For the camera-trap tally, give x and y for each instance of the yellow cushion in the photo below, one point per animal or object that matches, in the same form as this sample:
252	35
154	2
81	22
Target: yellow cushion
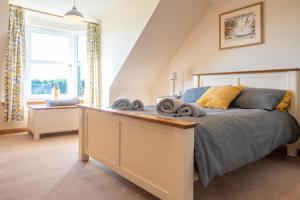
219	97
285	102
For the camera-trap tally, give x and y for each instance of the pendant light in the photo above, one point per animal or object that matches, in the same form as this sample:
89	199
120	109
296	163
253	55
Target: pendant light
74	14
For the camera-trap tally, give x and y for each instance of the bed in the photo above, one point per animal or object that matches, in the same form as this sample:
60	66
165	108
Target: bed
157	153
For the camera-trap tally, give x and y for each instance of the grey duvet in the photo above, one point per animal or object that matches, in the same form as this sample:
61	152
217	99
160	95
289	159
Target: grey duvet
228	139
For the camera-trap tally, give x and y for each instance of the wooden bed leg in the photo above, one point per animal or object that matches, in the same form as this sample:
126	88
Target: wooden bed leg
182	187
292	149
82	156
36	136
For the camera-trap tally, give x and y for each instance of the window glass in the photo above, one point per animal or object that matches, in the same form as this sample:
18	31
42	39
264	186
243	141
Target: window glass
48	47
44	76
55	57
81	65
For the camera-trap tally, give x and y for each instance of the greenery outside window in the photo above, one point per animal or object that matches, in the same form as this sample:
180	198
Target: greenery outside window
55	57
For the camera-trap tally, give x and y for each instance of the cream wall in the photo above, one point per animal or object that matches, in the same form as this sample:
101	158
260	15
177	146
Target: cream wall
167	29
121	28
46	21
200	51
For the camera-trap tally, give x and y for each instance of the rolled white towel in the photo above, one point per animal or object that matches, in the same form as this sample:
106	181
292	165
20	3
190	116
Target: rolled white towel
63	102
137	104
168	106
188	109
121	103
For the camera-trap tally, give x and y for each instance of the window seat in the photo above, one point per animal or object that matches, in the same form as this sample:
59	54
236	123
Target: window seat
43	119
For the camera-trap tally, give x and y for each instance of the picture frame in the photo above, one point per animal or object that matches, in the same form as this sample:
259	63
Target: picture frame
241	27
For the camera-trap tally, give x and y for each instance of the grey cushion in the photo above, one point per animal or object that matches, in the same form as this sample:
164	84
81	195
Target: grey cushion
258	98
193	94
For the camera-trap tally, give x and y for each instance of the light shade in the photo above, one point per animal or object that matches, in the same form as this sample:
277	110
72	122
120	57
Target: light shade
173	76
74	15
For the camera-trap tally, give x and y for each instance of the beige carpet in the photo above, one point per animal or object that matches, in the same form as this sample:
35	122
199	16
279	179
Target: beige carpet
48	169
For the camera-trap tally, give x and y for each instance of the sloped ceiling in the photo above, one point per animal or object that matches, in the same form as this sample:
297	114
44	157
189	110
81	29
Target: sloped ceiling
169	26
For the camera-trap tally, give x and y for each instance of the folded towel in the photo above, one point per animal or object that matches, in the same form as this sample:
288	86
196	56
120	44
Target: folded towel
63	102
188	109
121	103
137	104
168	106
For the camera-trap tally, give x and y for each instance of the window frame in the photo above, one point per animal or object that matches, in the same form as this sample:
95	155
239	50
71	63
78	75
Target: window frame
72	83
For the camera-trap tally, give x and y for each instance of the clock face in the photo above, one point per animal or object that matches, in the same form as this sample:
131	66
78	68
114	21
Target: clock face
240	27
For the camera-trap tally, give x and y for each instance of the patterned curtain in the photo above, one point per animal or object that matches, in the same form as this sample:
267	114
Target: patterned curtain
93	64
15	62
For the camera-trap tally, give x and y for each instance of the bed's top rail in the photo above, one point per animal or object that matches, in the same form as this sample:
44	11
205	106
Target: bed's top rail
177	123
249	72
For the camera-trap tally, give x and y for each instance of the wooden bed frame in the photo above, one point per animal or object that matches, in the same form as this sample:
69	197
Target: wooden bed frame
157	153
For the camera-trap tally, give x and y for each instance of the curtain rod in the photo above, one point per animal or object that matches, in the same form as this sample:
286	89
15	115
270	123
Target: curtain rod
46	13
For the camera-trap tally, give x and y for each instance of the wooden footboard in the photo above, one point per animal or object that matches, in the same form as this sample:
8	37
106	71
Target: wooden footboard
154	153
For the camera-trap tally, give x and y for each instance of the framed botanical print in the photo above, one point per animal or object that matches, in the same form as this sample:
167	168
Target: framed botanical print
241	27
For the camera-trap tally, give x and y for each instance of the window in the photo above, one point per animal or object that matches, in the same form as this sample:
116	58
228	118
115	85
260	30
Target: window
82	72
55	57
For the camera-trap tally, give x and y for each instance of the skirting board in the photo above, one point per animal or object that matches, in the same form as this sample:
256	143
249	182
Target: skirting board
13	130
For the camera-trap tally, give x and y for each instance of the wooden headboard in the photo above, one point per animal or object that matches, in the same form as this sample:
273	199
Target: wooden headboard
284	79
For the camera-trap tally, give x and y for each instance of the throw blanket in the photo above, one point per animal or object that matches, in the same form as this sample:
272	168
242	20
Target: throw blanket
168	107
63	102
187	109
137	105
121	103
226	140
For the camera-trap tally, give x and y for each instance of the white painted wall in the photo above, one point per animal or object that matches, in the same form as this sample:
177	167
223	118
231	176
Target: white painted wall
170	24
200	51
121	28
46	21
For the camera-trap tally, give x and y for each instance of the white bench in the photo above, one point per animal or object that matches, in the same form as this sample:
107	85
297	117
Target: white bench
43	119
